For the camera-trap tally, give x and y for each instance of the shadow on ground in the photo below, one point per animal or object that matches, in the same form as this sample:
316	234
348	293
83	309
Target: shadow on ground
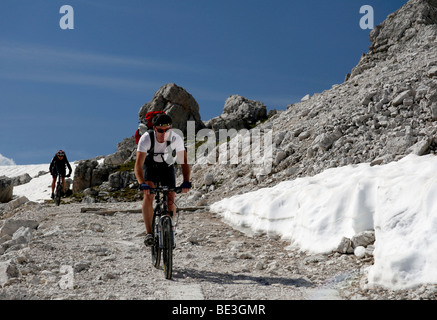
226	278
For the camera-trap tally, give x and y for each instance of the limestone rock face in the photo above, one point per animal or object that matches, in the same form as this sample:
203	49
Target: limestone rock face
90	173
414	21
385	110
124	152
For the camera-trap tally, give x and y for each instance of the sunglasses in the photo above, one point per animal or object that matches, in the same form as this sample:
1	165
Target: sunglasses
163	130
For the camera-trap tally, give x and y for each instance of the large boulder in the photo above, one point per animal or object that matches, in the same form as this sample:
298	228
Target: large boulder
121	179
11	225
6	189
83	174
238	113
22	179
177	103
90	173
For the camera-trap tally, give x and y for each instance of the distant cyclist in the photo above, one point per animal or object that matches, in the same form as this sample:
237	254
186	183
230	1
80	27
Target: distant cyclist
154	163
58	166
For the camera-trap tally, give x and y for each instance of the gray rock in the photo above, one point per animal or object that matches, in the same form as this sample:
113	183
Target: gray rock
22	179
325	140
433	108
14	204
12	225
432	72
401	97
22	236
238	113
6	189
422	147
81	266
345	246
121	179
177	103
209	179
83	174
100	174
306	98
363	238
123	153
281	155
90	173
8	270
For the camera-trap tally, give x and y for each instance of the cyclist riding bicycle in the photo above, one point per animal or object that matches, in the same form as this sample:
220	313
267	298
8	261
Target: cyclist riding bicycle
58	165
155	163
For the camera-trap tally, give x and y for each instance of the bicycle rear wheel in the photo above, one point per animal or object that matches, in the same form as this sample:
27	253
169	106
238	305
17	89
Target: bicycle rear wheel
167	249
156	250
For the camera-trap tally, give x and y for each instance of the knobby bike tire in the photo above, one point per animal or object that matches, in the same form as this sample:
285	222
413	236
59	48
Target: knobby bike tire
167	247
156	250
58	194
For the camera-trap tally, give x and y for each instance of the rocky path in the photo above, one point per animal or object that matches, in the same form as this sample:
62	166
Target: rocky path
99	254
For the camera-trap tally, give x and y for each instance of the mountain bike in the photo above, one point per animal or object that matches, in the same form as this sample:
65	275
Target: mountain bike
163	230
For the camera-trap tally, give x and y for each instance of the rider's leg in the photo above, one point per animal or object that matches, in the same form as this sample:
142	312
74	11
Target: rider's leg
53	183
169	179
63	184
147	209
170	202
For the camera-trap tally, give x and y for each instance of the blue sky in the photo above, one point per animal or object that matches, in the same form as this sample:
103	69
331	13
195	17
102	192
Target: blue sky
80	90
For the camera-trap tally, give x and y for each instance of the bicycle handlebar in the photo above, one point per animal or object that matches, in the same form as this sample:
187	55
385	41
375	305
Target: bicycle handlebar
162	189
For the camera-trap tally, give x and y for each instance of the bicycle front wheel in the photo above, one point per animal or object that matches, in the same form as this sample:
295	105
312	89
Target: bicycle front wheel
156	250
58	195
167	250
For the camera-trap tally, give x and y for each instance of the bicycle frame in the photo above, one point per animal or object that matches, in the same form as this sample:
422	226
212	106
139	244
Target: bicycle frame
161	211
163	230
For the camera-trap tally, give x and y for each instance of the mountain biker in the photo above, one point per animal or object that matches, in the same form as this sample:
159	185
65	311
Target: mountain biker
58	166
154	163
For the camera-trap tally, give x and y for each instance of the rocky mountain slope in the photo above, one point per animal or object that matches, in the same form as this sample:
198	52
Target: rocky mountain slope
386	109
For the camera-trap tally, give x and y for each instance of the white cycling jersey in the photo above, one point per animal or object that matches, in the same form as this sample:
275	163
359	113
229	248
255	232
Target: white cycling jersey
161	148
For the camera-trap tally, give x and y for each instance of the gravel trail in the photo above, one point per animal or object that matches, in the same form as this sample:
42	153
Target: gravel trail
90	252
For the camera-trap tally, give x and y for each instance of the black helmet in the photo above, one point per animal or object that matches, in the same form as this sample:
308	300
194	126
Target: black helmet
161	120
60	153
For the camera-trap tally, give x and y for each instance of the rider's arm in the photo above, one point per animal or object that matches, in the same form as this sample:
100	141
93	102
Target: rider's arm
68	164
186	171
143	148
139	172
52	164
183	160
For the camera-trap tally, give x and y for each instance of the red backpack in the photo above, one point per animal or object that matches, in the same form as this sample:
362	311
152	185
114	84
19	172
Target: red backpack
148	121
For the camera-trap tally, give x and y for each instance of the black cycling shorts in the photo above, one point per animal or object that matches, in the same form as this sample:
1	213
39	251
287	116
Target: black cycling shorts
162	173
55	173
